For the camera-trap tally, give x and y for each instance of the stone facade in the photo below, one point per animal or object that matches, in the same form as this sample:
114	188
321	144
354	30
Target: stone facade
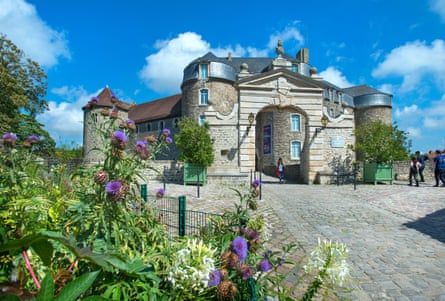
261	109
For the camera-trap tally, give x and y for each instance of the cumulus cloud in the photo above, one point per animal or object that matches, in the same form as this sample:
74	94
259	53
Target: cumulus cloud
289	33
64	120
335	76
407	111
435	114
414	132
22	25
163	70
438	6
413	62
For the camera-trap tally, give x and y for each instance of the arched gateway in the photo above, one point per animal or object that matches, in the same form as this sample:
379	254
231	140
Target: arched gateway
261	109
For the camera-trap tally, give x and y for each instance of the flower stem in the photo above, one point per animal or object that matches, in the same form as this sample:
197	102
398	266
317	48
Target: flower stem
29	267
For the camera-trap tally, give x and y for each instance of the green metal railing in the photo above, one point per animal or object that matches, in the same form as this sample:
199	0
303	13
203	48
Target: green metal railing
173	213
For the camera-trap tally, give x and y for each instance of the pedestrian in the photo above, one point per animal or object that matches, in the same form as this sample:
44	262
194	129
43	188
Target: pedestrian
414	167
280	170
421	159
439	168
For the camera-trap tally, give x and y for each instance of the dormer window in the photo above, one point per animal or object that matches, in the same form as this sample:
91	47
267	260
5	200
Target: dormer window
204	71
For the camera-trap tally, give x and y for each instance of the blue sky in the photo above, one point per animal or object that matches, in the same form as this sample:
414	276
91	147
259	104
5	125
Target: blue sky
139	49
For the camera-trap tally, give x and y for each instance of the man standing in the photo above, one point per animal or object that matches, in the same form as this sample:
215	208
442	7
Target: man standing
439	168
421	159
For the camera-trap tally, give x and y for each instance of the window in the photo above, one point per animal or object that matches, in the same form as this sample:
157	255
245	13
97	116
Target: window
176	122
148	127
295	122
204	71
204	97
161	125
331	112
202	120
295	150
294	68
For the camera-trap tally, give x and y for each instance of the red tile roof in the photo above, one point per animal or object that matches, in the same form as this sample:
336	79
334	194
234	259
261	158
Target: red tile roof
157	109
105	97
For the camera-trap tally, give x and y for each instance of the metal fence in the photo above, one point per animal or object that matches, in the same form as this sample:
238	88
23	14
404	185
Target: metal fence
173	214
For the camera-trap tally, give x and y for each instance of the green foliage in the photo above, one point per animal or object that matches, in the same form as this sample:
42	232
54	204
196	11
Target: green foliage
90	236
380	142
195	143
22	86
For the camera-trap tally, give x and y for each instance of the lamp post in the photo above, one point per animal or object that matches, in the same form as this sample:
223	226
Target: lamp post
324	123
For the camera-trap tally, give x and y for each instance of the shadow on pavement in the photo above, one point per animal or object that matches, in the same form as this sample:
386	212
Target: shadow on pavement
433	225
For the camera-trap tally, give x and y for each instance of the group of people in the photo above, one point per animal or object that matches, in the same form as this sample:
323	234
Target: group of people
417	166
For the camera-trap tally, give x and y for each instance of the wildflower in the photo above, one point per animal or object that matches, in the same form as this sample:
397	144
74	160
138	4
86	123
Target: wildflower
160	192
101	177
113	98
214	278
151	139
33	139
94	100
239	246
119	139
264	265
131	125
113	190
229	259
245	270
256	183
9	138
226	290
169	140
142	150
166	132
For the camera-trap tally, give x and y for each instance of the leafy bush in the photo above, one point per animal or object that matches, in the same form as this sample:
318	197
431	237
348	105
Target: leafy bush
90	236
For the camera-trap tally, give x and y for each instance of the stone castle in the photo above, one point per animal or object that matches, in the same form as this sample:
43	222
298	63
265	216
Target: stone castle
259	110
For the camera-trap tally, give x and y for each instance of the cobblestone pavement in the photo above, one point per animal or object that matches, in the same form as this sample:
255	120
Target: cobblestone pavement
395	233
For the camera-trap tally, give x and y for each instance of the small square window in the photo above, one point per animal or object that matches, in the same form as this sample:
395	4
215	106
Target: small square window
202	120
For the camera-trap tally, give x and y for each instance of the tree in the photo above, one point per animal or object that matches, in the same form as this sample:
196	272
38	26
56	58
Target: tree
380	142
195	143
22	88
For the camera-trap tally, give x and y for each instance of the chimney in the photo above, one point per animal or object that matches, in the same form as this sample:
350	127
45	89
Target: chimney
303	55
229	56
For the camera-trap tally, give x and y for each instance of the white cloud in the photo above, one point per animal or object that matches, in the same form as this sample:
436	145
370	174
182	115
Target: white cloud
64	120
335	76
414	132
415	61
438	6
22	25
290	33
407	111
163	70
435	114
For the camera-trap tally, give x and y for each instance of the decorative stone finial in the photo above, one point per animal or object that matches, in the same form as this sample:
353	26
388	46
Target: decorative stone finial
279	49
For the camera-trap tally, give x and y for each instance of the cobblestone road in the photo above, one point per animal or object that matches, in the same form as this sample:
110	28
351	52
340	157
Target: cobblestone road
395	233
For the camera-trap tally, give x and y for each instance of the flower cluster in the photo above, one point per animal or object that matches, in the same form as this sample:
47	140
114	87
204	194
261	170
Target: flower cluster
192	267
10	139
116	190
330	261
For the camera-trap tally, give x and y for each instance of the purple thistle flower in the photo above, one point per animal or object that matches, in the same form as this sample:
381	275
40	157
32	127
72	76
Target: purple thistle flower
33	139
214	278
113	187
239	246
264	265
130	121
168	140
256	183
160	192
141	144
166	132
94	99
245	270
120	136
267	254
10	137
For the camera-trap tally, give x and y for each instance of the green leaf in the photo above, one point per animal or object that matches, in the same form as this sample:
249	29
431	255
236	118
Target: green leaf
9	298
46	292
76	287
44	249
95	298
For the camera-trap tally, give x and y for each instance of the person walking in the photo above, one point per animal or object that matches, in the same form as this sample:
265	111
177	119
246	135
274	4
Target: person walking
421	159
414	168
280	170
439	168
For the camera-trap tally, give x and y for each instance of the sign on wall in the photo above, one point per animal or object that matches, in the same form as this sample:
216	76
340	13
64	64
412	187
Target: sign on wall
337	142
267	139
